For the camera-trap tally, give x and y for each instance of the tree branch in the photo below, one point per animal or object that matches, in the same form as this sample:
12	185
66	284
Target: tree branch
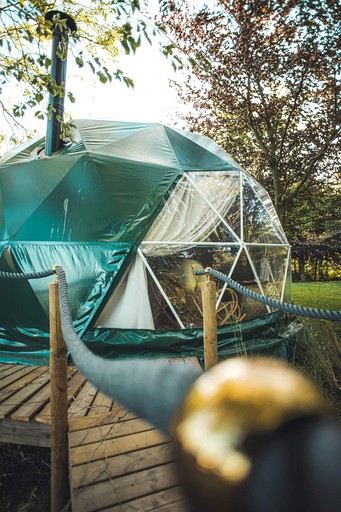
310	166
269	128
252	125
291	113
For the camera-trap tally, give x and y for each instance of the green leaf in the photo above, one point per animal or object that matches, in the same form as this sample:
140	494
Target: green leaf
71	97
39	97
92	67
19	110
102	78
129	82
125	46
193	62
108	74
79	61
39	114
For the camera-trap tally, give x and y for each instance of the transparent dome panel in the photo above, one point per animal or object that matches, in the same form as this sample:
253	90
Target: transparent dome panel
163	316
190	215
175	274
223	184
271	265
268	204
260	221
229	307
245	274
233	216
222	190
287	297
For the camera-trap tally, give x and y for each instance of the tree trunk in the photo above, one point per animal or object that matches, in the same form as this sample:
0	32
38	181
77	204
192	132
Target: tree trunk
301	263
315	269
280	209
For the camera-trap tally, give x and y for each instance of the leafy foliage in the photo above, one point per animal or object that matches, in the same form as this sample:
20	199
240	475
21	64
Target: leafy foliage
316	257
103	28
265	85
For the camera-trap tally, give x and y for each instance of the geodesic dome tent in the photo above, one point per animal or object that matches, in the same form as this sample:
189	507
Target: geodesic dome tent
131	211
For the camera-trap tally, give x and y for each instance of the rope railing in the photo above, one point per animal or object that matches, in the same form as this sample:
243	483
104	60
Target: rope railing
23	276
110	376
193	407
150	398
323	314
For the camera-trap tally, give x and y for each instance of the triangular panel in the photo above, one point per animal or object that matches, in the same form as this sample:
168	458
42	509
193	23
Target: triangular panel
193	213
260	221
245	275
176	275
270	264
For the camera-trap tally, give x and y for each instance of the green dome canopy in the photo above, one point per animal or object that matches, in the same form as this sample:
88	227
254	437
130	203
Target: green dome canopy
89	207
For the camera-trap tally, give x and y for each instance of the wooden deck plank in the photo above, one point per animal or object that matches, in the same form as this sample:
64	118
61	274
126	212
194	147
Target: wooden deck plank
82	401
37	379
188	361
31	408
24	432
33	405
16	376
117	413
75	383
122	489
8	369
117	446
101	404
118	462
112	467
169	500
110	431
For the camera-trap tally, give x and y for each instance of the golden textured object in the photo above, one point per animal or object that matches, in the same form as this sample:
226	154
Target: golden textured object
236	399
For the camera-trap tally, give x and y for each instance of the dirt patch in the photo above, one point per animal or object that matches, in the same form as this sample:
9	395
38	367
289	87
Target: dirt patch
24	478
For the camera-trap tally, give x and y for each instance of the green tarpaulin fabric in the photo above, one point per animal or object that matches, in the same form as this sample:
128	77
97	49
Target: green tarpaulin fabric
88	208
271	335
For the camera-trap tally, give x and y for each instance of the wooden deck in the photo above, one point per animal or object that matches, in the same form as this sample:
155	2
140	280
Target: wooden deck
117	462
122	464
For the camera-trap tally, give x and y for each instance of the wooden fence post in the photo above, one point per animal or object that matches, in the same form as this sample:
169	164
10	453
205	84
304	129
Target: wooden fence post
60	489
208	291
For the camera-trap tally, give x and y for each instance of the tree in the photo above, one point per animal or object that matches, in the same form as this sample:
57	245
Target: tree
313	229
265	85
103	27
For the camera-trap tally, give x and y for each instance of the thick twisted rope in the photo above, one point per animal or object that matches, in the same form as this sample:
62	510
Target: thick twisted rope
149	388
23	275
156	398
324	314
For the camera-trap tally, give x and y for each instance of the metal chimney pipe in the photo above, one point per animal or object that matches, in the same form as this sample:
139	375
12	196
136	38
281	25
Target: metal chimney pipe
58	73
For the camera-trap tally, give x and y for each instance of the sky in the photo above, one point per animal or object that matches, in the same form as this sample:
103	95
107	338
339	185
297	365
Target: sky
151	100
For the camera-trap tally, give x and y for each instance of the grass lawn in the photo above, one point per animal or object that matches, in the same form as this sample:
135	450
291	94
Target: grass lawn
319	355
323	295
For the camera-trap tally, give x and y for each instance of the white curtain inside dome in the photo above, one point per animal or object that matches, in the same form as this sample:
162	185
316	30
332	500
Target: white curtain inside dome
129	306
